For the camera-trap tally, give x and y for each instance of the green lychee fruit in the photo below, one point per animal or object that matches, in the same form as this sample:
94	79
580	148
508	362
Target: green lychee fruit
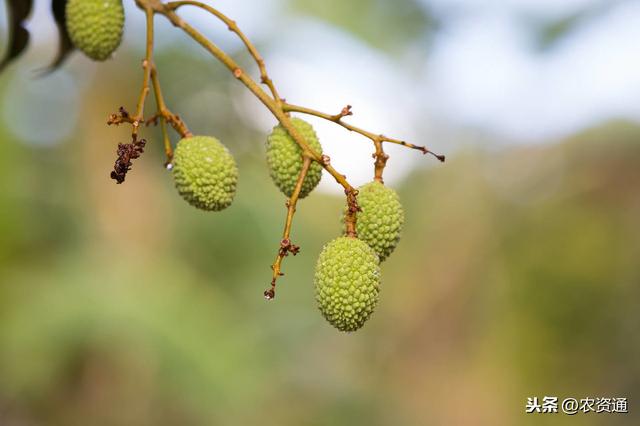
381	220
284	158
95	26
205	173
347	281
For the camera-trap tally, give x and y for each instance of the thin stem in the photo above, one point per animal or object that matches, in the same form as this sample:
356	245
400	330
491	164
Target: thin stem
160	105
350	215
163	112
146	66
233	26
380	161
286	246
337	118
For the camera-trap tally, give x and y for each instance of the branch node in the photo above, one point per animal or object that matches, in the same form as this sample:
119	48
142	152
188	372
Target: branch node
346	111
122	116
286	247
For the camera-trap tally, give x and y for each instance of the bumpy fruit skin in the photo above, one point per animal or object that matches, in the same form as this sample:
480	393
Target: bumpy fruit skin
284	158
382	217
205	173
95	26
347	282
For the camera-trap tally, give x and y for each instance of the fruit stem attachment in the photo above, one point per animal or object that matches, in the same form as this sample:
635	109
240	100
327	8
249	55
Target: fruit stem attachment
286	246
380	161
350	216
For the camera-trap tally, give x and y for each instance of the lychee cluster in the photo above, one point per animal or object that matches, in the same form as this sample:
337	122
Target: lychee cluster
347	275
95	26
284	158
205	173
348	271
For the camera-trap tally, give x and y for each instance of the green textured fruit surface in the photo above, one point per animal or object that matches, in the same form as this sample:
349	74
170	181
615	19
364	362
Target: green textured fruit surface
382	217
284	158
205	173
95	26
347	283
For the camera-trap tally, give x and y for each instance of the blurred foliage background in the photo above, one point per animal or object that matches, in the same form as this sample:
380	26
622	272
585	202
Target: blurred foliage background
517	275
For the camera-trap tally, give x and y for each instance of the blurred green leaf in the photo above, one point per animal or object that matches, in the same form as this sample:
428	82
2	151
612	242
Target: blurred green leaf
553	32
387	25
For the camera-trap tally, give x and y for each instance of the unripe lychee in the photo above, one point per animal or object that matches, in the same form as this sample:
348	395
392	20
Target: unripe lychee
205	173
347	281
95	26
284	158
381	220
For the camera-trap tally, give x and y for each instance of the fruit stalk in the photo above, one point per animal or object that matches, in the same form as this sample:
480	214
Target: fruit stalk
166	116
380	161
138	118
157	91
286	246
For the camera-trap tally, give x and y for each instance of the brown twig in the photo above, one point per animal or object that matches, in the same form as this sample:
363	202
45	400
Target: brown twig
380	162
138	118
233	27
286	246
352	210
379	155
168	150
166	116
122	116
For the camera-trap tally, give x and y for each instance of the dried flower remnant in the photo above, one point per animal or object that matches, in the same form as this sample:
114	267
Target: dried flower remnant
126	153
